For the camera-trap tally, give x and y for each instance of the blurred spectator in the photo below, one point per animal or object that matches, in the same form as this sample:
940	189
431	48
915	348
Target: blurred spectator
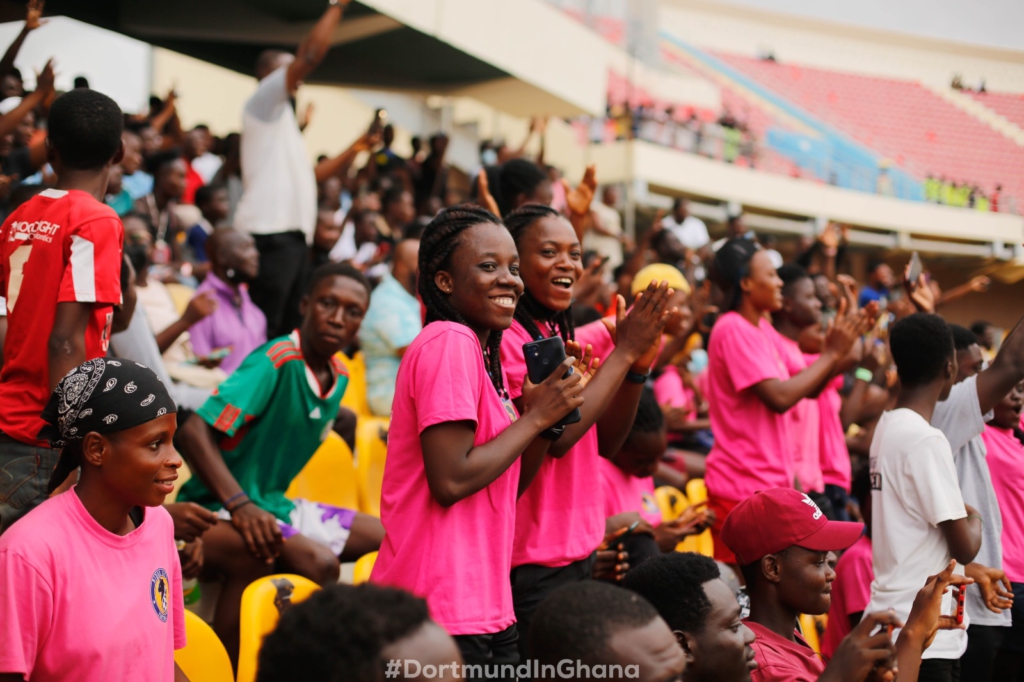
398	210
605	233
230	174
168	171
212	201
11	84
138	182
194	147
235	326
206	164
880	280
390	325
690	230
278	206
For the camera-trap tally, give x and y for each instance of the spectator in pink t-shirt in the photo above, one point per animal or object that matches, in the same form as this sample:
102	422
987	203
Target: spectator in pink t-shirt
90	580
749	386
851	590
559	519
459	454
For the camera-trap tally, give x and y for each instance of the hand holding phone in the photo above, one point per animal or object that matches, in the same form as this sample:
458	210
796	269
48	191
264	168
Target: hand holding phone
542	358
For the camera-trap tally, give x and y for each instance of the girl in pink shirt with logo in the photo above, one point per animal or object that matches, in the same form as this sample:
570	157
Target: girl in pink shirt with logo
90	580
750	388
459	453
560	519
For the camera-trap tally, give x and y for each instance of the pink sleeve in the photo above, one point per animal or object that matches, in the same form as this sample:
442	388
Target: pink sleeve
597	335
858	586
93	273
752	358
512	359
446	380
26	611
179	602
669	390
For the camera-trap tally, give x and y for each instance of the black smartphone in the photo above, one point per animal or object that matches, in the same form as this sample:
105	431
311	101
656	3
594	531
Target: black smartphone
542	358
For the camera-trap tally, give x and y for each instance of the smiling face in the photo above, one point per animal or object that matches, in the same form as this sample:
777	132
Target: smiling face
762	286
482	278
332	313
806	579
138	465
551	261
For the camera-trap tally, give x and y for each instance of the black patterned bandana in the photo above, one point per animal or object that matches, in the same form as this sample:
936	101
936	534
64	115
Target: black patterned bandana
103	396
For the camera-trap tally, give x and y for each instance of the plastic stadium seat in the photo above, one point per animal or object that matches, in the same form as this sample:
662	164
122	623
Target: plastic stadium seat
204	658
355	394
697	492
671	501
363	568
262	604
329	477
181	295
371	452
809	629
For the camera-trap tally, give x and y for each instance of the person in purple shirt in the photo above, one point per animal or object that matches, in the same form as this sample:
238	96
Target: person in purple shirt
237	326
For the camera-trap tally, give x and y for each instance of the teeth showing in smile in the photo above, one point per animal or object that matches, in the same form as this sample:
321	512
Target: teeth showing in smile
563	281
505	301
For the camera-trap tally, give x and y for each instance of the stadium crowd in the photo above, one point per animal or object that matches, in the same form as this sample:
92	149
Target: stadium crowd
169	292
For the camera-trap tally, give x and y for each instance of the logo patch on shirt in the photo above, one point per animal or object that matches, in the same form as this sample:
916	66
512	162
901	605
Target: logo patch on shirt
159	593
315	414
510	410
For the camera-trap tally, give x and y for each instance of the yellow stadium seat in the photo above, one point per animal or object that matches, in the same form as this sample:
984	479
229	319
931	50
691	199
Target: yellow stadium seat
364	567
181	295
371	451
671	502
262	604
355	393
329	477
204	658
697	492
809	629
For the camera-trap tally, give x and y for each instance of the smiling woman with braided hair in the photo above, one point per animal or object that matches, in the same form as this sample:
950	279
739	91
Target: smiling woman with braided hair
559	521
453	469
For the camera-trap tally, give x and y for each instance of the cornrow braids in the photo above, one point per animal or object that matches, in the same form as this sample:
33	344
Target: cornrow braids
529	310
439	241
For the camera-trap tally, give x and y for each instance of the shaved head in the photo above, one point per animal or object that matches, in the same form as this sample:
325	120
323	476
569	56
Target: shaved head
406	263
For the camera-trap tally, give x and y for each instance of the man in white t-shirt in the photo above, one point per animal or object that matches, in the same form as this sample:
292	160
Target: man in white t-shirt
690	230
278	204
919	519
605	233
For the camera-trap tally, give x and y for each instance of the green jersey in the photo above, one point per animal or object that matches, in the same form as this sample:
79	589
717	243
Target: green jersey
273	416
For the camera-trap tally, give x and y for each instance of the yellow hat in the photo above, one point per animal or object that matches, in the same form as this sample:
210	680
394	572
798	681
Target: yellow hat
660	272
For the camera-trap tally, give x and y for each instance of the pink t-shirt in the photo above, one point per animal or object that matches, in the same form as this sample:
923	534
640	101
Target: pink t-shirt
804	420
670	390
835	458
458	558
626	493
851	592
78	602
1005	456
751	450
559	518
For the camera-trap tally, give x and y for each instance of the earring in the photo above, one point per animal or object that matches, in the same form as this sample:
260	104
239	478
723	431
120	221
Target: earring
230	273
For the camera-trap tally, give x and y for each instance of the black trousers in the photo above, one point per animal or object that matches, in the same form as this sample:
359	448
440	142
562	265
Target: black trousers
490	652
531	583
983	642
284	269
939	670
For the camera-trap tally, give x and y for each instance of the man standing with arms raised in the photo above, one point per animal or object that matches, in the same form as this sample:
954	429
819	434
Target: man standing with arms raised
278	204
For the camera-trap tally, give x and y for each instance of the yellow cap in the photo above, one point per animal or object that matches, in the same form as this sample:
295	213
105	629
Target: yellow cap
660	272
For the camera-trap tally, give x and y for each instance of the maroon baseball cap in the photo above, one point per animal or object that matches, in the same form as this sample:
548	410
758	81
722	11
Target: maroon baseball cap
772	520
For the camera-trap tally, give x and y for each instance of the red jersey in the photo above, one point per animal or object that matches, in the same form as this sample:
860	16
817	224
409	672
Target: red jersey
60	246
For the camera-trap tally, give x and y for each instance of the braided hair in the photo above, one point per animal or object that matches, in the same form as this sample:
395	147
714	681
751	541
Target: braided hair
730	266
529	310
439	241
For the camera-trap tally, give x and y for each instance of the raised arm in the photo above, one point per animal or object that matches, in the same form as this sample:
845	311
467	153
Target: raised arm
343	161
44	88
315	45
33	20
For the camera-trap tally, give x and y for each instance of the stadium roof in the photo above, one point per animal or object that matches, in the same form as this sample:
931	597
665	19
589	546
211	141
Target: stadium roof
513	56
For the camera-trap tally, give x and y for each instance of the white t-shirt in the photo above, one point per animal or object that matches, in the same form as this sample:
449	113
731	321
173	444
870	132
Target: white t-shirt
914	489
692	232
280	186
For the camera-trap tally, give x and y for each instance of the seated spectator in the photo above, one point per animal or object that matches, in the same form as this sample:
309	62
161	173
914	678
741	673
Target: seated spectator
90	582
236	326
357	243
605	233
604	632
880	281
919	519
168	171
117	197
391	324
350	633
397	210
207	163
62	288
628	484
138	182
248	442
702	611
690	230
787	573
851	590
212	201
